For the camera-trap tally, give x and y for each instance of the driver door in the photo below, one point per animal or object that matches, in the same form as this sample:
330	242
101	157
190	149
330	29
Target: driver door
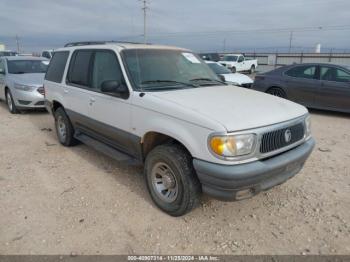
111	114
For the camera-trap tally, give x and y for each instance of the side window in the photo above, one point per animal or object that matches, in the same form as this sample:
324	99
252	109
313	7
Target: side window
302	72
79	68
240	59
106	68
334	74
56	67
2	66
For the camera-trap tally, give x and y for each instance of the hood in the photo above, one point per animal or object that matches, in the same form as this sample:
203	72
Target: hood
238	78
235	108
36	79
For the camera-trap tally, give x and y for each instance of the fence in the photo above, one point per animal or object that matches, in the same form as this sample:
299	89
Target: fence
280	59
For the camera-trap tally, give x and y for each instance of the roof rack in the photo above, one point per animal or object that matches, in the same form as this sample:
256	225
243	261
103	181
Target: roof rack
99	43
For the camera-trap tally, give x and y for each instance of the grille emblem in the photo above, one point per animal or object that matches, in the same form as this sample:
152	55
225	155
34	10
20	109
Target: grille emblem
287	135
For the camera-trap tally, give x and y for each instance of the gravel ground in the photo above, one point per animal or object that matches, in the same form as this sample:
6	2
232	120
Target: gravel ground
57	200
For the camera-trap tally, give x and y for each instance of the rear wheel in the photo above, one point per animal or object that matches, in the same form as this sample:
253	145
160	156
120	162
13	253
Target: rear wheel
252	69
276	91
11	103
171	179
64	128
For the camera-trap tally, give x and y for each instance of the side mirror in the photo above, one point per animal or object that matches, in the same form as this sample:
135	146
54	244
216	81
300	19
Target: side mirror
2	71
115	88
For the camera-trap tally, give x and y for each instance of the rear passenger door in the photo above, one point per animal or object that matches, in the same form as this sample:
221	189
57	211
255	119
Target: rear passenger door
302	84
335	88
112	114
2	78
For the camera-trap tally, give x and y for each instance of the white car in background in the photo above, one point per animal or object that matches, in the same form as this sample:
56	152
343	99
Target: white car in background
238	63
236	79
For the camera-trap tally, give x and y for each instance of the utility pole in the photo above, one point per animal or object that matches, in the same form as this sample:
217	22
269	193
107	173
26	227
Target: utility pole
290	41
17	43
144	8
224	45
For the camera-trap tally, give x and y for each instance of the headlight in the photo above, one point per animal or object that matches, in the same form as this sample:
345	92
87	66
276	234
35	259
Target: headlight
307	126
23	87
233	83
232	145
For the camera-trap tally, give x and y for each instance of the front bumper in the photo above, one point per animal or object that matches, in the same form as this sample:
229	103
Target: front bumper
227	182
28	100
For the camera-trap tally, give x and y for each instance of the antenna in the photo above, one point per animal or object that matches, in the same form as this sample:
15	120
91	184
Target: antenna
144	8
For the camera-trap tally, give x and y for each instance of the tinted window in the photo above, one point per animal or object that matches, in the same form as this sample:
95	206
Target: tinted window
334	74
26	66
219	69
56	67
230	58
79	68
302	72
106	67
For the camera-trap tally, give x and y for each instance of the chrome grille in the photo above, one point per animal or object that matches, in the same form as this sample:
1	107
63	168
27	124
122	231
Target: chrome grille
280	138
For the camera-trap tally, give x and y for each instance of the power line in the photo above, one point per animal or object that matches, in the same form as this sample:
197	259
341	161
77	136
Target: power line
144	8
259	30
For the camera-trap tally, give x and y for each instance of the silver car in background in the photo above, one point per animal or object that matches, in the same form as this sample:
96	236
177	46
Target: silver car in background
21	82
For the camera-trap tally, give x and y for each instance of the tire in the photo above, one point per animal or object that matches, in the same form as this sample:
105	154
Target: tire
169	171
233	69
276	91
252	69
64	128
10	103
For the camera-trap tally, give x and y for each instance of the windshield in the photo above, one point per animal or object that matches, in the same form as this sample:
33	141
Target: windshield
157	69
219	69
26	66
230	58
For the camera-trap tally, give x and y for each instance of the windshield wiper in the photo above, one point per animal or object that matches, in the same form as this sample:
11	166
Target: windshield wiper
208	79
167	81
20	72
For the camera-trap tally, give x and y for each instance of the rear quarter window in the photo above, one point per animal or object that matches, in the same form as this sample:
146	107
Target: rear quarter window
56	67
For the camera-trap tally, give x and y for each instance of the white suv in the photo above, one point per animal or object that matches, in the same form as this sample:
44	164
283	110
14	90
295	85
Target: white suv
163	107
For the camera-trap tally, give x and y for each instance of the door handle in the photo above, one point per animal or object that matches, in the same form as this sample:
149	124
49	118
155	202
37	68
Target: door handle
92	100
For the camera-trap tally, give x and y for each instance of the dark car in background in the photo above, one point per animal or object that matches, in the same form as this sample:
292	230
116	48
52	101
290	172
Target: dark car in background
320	86
210	56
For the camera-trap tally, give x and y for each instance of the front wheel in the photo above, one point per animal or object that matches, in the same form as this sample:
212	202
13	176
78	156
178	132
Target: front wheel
233	69
171	179
11	103
276	91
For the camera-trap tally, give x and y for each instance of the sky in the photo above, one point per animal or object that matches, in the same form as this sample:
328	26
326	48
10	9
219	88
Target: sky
201	25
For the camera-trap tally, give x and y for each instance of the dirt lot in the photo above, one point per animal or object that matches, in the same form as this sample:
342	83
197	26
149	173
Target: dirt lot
56	200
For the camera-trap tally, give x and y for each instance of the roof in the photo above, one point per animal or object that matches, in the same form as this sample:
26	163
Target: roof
325	64
120	45
13	58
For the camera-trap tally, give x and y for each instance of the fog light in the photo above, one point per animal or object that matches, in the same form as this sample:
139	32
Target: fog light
245	193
